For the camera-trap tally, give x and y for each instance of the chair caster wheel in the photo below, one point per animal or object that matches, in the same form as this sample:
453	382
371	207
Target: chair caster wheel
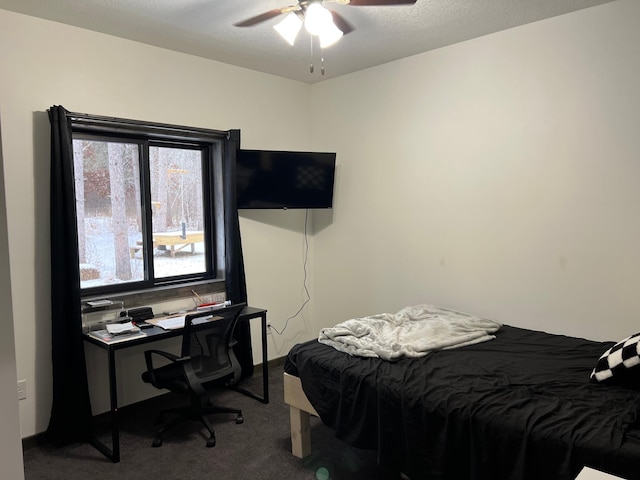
211	442
157	442
239	419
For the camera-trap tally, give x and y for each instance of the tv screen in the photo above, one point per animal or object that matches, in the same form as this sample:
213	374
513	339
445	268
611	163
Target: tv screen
278	179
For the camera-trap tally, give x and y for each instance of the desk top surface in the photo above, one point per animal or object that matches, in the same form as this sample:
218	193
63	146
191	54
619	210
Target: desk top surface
156	333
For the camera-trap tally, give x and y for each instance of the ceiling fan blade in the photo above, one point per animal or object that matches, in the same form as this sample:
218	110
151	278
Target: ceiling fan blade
364	3
249	22
344	26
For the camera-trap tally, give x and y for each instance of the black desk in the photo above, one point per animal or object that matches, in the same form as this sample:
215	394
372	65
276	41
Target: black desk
153	335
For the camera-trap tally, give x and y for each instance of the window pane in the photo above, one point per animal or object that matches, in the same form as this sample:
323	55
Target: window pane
108	211
177	211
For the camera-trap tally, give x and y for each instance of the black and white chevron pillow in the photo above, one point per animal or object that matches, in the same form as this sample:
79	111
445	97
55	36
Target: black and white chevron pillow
617	364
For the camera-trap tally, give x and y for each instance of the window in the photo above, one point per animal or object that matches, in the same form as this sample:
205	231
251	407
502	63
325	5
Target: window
147	206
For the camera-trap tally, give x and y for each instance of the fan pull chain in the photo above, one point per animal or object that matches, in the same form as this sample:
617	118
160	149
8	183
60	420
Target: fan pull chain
311	66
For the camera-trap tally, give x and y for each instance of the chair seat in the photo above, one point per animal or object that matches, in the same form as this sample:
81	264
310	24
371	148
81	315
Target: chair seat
169	376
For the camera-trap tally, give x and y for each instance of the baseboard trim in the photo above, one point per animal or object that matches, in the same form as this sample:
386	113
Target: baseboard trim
273	363
33	441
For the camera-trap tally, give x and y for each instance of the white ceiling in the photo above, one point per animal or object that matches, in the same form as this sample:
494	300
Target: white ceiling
382	34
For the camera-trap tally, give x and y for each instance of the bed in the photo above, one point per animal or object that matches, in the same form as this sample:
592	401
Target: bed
518	406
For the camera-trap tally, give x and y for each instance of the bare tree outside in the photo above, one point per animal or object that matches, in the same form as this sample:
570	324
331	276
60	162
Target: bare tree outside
159	161
117	181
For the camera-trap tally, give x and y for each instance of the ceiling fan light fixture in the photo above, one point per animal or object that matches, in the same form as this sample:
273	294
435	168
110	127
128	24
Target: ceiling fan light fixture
329	36
289	27
317	19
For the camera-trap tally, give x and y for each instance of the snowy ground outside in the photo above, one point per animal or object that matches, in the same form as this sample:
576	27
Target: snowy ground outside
100	254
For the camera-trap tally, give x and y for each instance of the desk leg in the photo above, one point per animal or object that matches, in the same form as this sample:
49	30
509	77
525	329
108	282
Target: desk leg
112	453
265	369
265	359
113	394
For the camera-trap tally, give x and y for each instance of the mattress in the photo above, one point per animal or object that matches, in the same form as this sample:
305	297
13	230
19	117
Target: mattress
520	406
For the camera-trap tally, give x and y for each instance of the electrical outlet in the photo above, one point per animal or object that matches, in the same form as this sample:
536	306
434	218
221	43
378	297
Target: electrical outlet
22	389
268	328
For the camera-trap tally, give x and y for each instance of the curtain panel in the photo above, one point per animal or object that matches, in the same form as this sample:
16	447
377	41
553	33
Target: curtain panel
70	419
234	262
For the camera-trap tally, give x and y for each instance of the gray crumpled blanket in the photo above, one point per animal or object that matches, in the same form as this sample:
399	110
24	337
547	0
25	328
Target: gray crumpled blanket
412	332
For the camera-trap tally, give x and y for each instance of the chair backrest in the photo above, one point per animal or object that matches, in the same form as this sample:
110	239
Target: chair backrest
209	343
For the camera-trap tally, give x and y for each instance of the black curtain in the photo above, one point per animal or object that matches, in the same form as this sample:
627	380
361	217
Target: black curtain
234	262
71	409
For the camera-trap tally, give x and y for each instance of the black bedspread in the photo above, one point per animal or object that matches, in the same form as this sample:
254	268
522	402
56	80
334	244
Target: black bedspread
517	407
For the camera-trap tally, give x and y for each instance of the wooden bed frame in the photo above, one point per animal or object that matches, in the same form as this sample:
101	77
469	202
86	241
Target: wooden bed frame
300	410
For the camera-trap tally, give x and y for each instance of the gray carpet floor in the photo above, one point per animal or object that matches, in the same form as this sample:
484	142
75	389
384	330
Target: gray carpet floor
258	449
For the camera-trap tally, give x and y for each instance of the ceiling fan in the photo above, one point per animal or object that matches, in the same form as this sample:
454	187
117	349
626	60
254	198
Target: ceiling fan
318	20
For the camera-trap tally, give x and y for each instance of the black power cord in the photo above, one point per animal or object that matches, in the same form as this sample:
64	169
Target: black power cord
304	281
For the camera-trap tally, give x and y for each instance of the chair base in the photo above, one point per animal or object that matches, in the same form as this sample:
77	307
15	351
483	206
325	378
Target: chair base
194	414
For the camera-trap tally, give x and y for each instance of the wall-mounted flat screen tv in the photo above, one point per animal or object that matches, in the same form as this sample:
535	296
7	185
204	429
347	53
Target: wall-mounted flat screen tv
280	179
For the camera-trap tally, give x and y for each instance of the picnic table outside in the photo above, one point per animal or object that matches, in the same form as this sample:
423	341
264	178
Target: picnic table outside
174	240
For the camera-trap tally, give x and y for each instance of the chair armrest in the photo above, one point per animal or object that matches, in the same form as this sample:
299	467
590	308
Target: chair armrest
193	380
169	356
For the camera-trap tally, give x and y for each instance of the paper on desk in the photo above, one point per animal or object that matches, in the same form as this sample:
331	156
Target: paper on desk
120	328
173	323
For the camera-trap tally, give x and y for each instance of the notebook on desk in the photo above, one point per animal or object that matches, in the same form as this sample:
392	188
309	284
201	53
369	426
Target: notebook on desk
110	338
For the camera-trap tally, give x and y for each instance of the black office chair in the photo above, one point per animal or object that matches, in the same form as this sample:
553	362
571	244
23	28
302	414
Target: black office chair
207	361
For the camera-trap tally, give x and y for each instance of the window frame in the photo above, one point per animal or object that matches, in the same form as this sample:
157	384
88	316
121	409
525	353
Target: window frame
212	145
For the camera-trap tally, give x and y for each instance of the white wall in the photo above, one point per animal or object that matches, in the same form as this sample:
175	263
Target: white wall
10	444
499	176
44	63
